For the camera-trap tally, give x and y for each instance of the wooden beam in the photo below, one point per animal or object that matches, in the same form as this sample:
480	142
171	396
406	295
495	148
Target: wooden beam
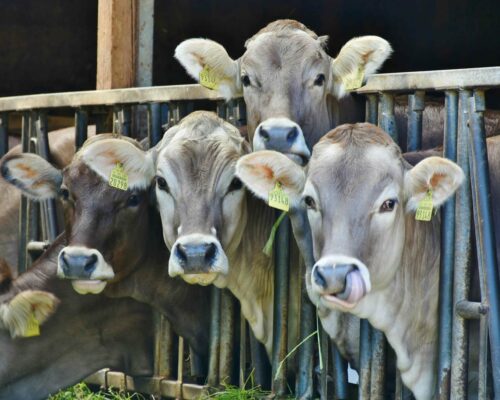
116	44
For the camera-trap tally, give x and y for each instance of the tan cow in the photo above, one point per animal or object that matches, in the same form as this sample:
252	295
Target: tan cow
374	259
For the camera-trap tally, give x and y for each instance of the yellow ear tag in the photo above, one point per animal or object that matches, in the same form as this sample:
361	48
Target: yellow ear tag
354	80
278	198
424	208
33	327
208	79
118	177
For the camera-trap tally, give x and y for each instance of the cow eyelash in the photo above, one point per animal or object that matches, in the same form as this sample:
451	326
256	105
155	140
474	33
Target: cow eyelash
388	205
245	80
310	203
320	79
161	183
133	200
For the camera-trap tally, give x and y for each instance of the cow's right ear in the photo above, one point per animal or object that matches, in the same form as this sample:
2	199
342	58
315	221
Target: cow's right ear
261	170
33	175
197	55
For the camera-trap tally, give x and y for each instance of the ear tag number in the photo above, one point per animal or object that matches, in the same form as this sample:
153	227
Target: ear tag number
424	208
118	177
33	327
354	80
208	79
278	198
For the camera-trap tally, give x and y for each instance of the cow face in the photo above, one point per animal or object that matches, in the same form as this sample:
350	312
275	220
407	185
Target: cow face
102	223
287	79
201	202
361	196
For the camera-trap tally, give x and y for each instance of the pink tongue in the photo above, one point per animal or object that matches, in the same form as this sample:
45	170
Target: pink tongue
357	286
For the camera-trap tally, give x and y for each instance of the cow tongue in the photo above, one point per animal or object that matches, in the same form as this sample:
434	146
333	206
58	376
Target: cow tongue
88	286
354	287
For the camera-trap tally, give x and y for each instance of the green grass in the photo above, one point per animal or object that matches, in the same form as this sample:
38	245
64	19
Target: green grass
82	392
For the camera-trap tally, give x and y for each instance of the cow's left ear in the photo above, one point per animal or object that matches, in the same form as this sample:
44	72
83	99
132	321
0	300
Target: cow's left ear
358	58
437	175
261	170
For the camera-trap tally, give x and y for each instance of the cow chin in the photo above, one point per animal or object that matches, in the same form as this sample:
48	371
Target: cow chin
200	279
88	286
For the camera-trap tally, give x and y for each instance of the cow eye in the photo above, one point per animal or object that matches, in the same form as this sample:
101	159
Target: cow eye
320	79
235	184
310	203
245	80
64	193
133	201
388	205
162	184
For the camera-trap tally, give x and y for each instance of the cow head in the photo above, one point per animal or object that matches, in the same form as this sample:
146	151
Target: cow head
287	80
102	223
361	196
201	202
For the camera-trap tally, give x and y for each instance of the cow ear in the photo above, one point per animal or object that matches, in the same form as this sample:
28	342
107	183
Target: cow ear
438	175
359	57
261	170
197	55
33	175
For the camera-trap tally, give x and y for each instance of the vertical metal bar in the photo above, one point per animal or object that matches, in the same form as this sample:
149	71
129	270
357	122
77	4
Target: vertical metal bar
483	358
44	151
180	360
387	121
458	389
23	211
81	126
243	351
282	261
126	121
154	124
226	336
377	375
260	362
4	133
486	239
213	366
415	107
340	374
164	347
365	355
447	253
324	350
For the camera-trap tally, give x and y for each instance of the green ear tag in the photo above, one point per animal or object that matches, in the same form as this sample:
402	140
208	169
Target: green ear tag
208	79
118	177
278	198
424	208
33	327
354	80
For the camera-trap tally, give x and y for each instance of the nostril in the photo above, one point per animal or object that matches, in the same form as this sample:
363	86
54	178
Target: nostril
180	253
65	265
264	134
210	253
319	279
292	134
90	264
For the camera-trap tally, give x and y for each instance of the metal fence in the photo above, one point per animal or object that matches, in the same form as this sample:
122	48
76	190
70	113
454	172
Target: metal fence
464	142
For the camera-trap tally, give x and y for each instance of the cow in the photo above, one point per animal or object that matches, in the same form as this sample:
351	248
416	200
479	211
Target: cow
215	230
374	259
288	81
85	334
113	242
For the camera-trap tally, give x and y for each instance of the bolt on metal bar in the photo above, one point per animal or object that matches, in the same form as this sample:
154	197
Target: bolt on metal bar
387	120
486	239
4	133
213	366
447	252
81	126
462	260
281	276
471	309
416	106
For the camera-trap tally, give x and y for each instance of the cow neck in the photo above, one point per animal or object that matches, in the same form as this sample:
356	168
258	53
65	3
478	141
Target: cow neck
410	306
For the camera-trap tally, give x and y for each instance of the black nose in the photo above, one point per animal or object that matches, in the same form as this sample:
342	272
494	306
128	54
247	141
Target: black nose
279	138
196	258
79	266
332	279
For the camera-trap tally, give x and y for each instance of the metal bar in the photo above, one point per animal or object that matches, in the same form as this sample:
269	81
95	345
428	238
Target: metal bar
213	366
154	124
23	209
458	389
447	253
377	374
365	355
81	126
340	374
243	352
387	121
486	239
483	358
282	262
324	350
180	360
164	347
415	108
371	111
126	121
4	133
260	362
226	336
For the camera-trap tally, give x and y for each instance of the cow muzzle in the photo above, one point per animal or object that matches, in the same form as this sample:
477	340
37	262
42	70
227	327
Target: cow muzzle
284	136
340	280
197	258
86	268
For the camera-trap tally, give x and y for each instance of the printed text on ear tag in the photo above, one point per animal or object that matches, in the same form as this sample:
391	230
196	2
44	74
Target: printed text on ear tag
207	78
118	177
424	208
354	80
33	327
278	198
